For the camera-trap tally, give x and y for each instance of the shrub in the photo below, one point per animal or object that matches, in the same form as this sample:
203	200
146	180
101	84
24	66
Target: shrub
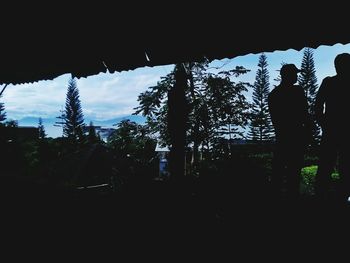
308	175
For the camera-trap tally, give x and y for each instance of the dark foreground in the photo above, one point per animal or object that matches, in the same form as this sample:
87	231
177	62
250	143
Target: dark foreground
160	217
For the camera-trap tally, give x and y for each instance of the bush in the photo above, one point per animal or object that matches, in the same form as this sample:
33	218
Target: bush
308	175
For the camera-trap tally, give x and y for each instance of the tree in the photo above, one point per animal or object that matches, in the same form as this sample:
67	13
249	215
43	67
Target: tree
2	112
122	139
73	114
224	108
60	121
41	129
260	125
177	121
214	101
11	123
308	80
307	77
132	140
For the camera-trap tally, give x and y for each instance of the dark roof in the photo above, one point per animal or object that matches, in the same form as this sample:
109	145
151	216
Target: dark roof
86	42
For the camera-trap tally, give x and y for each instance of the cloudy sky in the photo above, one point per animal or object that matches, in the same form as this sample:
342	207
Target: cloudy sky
107	96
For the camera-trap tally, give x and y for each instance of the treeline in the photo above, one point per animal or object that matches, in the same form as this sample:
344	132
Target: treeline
219	112
219	117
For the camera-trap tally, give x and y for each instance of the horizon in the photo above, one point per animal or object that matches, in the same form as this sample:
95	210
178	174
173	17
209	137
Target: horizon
54	131
109	96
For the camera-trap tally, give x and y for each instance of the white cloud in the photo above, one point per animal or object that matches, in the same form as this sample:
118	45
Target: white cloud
103	96
116	96
107	96
43	98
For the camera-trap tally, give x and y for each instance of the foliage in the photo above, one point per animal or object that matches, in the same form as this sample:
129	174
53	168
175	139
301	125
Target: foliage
308	80
216	105
132	140
308	175
307	77
73	114
41	129
11	123
260	125
2	112
60	121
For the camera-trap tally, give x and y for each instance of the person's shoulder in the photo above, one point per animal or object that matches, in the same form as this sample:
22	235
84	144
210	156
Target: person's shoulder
329	79
298	88
299	91
274	91
272	94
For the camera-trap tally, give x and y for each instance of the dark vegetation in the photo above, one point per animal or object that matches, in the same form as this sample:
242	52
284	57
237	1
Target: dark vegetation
116	182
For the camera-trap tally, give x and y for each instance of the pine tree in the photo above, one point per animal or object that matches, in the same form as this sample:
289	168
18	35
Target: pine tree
308	80
260	125
41	129
60	121
2	112
73	114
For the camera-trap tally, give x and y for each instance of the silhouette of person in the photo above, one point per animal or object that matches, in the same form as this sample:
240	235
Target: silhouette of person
332	111
289	115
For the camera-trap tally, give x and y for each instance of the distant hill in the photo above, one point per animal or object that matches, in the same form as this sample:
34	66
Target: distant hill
33	121
53	131
111	122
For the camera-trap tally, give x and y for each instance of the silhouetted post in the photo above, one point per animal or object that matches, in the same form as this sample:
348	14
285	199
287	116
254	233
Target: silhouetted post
196	140
177	117
3	89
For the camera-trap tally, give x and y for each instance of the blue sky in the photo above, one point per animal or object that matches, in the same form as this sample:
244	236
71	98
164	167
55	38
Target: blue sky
108	96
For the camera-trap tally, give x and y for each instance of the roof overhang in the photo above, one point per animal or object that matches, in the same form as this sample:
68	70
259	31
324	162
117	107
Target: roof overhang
47	47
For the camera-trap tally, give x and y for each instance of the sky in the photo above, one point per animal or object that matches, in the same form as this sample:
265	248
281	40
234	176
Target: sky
108	96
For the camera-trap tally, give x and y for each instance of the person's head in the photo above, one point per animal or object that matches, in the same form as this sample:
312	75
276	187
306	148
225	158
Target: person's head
289	73
342	64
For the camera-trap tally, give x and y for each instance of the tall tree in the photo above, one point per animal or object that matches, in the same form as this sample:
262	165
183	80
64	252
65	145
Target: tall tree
308	80
177	122
214	101
73	114
2	112
260	125
41	129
